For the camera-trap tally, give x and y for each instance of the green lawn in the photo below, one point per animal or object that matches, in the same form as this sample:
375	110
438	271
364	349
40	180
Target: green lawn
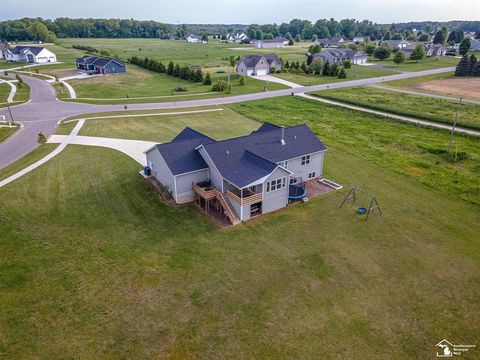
165	128
137	82
410	84
94	265
414	151
361	72
211	55
6	132
4	92
437	110
27	160
22	94
425	64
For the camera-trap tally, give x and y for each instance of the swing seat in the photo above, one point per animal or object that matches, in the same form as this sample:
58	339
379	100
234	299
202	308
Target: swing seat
362	210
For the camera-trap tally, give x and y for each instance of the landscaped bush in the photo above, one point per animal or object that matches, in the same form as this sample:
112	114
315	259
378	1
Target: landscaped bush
180	89
220	86
86	48
242	81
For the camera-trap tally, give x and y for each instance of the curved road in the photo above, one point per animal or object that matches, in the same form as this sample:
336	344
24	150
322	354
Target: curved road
43	111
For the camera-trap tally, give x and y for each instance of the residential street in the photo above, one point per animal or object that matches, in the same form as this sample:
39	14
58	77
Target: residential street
43	111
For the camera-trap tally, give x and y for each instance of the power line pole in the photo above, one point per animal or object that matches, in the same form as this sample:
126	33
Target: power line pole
11	116
454	124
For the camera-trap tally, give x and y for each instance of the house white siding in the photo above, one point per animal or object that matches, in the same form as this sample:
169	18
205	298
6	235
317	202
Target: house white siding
160	170
184	185
215	176
301	172
278	198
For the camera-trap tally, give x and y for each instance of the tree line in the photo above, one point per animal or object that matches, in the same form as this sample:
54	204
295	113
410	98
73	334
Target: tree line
468	66
184	72
24	29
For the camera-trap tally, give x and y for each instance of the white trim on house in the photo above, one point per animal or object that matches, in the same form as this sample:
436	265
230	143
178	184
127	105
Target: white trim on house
206	152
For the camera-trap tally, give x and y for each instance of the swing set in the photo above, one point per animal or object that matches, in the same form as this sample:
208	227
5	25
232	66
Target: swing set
373	207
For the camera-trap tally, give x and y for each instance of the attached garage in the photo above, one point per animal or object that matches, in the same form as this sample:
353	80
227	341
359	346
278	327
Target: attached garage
262	72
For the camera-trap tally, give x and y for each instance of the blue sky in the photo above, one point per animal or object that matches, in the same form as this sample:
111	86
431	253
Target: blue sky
245	11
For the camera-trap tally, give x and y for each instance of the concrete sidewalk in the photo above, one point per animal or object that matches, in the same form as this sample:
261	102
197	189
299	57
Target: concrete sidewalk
132	148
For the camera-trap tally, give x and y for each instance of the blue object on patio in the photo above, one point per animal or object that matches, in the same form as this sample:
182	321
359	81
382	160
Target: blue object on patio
362	210
147	171
296	192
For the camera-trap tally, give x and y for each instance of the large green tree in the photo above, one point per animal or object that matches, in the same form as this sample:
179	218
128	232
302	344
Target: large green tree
464	46
399	58
382	52
463	67
418	53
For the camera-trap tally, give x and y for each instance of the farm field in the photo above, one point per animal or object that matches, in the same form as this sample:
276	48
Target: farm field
100	260
447	85
211	55
437	110
360	72
138	82
425	64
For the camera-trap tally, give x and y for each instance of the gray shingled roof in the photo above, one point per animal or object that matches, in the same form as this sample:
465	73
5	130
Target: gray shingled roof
182	156
97	60
252	60
189	134
34	49
236	166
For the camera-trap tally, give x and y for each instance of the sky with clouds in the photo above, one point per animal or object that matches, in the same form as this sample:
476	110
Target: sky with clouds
245	11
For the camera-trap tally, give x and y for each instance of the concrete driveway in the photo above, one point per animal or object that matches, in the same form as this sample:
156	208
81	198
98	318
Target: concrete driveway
274	79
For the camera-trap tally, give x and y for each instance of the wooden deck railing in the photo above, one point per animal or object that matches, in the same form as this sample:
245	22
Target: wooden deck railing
206	194
245	200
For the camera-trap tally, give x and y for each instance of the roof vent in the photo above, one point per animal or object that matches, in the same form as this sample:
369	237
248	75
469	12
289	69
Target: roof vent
228	153
282	140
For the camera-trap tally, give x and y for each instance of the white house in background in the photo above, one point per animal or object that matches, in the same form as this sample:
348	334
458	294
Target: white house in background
236	37
270	44
194	39
358	39
30	54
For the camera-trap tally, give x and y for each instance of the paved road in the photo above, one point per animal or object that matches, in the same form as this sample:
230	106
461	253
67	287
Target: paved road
43	111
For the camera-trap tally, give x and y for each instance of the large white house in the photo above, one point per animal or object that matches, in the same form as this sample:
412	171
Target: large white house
30	54
194	39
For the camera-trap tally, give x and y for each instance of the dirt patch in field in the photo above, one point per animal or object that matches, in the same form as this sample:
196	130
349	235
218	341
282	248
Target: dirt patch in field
467	87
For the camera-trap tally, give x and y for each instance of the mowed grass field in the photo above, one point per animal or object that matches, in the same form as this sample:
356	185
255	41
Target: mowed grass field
6	132
437	110
425	64
22	94
95	265
357	73
138	82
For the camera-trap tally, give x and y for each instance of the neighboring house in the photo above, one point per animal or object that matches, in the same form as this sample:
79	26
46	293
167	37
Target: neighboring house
407	52
236	37
330	43
3	47
340	55
100	65
435	50
475	44
273	43
194	39
396	44
245	176
252	65
30	54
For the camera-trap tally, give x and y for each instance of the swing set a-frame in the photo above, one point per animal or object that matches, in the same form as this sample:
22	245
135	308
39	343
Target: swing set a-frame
352	195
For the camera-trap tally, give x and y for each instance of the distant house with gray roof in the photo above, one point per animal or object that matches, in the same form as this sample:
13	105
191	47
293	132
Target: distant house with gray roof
100	65
277	42
253	65
396	44
341	55
3	47
334	42
244	176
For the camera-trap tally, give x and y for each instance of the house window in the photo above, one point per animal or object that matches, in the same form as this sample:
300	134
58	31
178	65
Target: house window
283	164
311	175
276	184
306	160
293	180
